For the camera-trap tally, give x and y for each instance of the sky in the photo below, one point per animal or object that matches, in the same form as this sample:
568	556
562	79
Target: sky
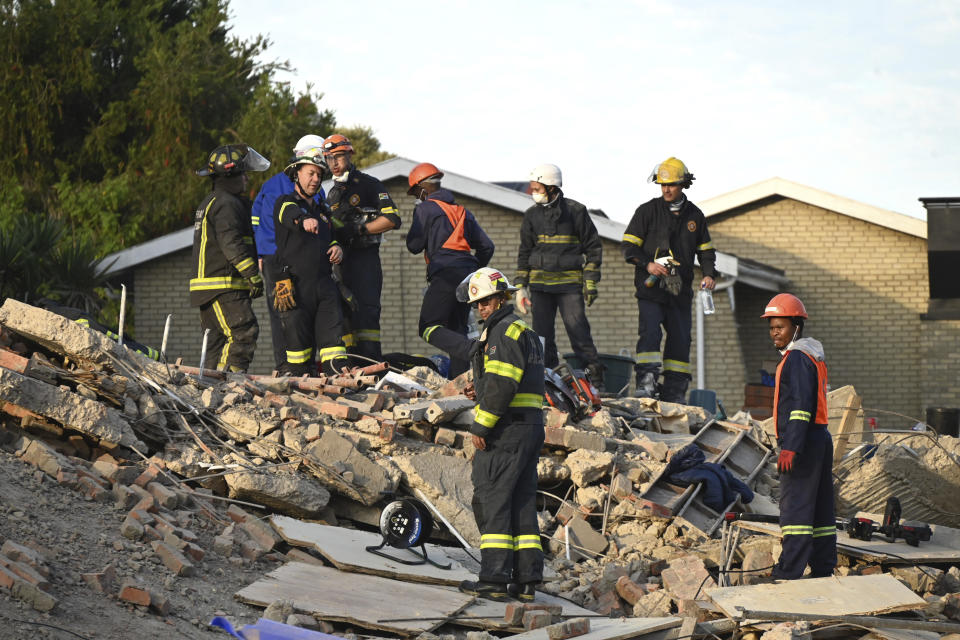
859	99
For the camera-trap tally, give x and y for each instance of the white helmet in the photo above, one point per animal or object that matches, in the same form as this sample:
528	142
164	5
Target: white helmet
308	145
547	174
483	283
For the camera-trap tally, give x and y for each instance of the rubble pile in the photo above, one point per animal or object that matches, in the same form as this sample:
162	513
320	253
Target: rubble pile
192	462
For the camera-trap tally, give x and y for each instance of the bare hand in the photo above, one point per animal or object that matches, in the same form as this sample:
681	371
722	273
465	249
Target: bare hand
470	391
708	283
656	269
479	442
311	225
335	253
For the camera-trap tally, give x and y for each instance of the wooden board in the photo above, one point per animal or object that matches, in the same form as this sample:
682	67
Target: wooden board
346	550
329	594
612	629
850	595
487	614
944	546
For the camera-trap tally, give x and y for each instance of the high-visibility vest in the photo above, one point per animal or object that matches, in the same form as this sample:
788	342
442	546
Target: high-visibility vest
821	417
457	215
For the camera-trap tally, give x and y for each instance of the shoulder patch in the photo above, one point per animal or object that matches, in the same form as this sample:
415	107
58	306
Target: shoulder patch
691	226
355	199
384	196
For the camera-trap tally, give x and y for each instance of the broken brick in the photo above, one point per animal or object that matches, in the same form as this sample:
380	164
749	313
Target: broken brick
629	590
536	620
173	559
164	496
134	593
568	629
103	581
445	436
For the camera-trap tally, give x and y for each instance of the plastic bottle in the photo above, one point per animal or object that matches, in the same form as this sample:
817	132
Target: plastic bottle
706	301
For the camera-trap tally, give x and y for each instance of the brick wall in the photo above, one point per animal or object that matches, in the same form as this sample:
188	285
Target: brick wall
864	287
940	363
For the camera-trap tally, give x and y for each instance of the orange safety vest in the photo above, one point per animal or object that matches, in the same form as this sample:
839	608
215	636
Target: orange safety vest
821	417
457	215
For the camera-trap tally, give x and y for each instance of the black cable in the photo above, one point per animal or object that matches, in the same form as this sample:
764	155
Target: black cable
722	571
44	624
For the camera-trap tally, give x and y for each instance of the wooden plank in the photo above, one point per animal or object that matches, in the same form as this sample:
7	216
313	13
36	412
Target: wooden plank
944	546
487	614
612	629
346	550
848	424
850	595
329	594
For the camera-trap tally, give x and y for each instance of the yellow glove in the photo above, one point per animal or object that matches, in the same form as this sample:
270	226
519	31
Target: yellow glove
283	295
590	292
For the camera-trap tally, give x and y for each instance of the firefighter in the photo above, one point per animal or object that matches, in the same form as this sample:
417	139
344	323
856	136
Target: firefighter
669	229
508	433
446	233
558	267
806	448
305	295
362	211
265	236
226	273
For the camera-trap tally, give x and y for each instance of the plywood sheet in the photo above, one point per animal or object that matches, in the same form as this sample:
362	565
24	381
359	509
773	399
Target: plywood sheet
612	629
487	614
346	550
850	595
354	598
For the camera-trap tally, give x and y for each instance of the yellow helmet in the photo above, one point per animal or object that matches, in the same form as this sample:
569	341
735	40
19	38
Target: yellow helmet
671	171
483	283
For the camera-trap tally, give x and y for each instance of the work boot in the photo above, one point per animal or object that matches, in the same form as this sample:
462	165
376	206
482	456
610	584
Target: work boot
523	592
646	385
674	388
594	372
488	590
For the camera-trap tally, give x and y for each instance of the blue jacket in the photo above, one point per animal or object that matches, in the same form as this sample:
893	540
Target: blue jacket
447	245
800	393
720	487
264	235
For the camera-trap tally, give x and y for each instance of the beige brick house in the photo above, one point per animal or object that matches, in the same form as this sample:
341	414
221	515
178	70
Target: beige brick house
835	254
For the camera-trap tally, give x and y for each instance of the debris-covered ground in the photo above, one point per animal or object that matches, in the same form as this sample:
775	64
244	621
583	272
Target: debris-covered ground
136	498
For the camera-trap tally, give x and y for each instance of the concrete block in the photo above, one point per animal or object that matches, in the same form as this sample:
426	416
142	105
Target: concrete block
297	494
223	545
586	467
446	437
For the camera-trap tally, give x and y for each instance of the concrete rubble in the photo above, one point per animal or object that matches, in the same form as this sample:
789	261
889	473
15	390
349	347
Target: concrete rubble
175	451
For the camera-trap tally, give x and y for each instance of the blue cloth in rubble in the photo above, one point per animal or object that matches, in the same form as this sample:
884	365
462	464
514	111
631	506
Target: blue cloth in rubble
720	487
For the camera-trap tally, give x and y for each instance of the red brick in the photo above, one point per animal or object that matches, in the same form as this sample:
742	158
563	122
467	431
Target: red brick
164	496
13	362
26	555
554	418
195	552
629	590
262	532
26	572
150	534
250	550
159	603
92	489
141	516
871	570
68	479
338	410
132	529
173	559
513	614
7	578
568	629
81	446
536	620
134	593
388	430
237	514
299	555
101	582
149	475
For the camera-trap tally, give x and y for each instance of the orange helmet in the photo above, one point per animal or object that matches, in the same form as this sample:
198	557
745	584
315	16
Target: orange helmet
336	142
420	173
785	305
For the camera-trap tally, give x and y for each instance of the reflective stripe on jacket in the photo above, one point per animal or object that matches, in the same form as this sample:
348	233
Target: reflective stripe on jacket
800	394
223	249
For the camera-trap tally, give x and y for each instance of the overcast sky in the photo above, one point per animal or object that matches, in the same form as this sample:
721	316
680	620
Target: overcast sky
861	99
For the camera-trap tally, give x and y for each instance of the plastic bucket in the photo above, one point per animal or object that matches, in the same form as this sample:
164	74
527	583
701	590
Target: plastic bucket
944	421
616	373
705	398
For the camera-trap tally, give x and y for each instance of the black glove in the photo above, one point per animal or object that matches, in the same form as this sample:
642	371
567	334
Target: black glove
255	282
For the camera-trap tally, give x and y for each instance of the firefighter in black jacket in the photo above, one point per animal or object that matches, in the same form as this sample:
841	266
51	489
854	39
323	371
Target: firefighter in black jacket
555	237
447	234
362	211
225	271
670	230
305	295
508	434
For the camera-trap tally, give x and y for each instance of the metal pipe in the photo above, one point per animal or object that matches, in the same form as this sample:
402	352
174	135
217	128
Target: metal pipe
203	354
123	313
436	512
166	334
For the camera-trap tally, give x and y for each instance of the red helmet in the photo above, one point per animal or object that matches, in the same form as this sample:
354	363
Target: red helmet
336	142
784	305
420	173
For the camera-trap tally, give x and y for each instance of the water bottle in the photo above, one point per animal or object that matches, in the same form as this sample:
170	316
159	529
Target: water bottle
706	301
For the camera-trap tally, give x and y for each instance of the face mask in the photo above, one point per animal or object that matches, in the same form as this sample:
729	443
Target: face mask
540	198
342	178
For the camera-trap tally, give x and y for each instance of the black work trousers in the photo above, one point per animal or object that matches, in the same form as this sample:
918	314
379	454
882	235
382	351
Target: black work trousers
363	275
441	309
276	326
504	501
314	322
233	331
674	316
573	312
807	519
